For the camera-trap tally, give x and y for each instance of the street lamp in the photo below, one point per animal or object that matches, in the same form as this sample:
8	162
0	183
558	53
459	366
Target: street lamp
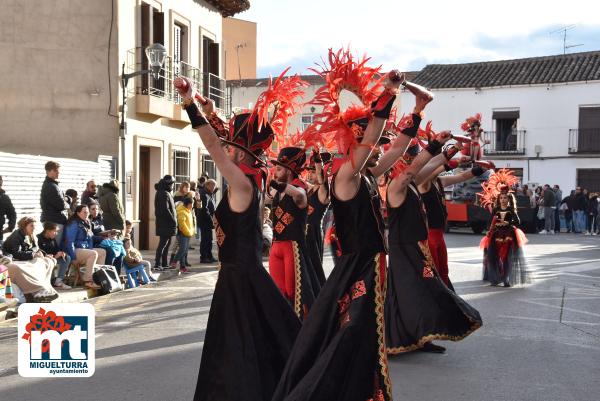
156	54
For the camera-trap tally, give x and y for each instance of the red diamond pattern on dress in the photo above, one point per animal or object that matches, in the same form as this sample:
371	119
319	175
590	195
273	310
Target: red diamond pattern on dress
344	304
287	219
279	227
220	235
427	271
278	212
358	289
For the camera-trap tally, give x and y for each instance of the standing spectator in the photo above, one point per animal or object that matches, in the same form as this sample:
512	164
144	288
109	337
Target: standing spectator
185	224
579	210
182	192
53	200
72	200
558	196
539	208
166	220
7	212
207	210
47	243
79	244
586	218
89	194
112	209
549	206
592	214
527	192
566	206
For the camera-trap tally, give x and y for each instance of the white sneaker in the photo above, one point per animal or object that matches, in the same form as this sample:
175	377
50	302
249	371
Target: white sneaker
58	283
587	233
552	232
543	232
594	233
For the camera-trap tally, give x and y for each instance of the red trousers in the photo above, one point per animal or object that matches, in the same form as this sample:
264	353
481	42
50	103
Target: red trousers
282	266
437	247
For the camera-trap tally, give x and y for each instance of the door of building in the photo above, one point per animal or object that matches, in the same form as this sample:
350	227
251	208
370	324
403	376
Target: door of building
144	197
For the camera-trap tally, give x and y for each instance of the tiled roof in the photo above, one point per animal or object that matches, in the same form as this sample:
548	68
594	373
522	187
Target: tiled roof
311	79
576	67
228	8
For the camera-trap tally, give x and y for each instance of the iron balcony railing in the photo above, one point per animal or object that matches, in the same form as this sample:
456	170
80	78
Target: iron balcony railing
208	84
585	140
504	143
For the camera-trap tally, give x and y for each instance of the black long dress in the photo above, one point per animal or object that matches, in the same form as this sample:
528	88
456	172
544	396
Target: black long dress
340	351
419	307
314	234
251	327
503	257
289	224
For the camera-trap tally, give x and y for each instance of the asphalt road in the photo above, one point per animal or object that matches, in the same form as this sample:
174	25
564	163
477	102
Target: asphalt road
541	342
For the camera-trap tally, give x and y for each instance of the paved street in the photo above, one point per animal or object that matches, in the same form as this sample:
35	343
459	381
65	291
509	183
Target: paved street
541	342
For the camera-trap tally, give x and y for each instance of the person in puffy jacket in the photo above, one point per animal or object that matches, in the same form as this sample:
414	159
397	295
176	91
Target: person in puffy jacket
166	220
53	200
113	214
187	228
79	243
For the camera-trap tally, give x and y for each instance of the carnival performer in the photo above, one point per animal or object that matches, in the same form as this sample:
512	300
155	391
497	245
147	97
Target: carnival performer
503	245
318	203
472	150
419	307
251	327
289	262
340	351
432	193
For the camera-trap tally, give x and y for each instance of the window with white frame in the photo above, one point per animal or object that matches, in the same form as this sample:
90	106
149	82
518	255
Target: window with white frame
307	120
181	166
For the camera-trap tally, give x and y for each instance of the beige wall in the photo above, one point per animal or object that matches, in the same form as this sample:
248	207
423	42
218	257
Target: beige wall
239	32
55	86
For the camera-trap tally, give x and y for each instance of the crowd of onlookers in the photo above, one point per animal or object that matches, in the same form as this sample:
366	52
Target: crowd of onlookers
576	212
78	235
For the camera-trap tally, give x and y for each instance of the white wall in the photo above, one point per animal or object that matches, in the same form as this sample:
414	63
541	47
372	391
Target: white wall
546	113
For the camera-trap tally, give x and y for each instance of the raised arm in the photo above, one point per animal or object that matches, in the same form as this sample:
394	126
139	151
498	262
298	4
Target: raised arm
437	162
348	178
323	193
240	188
296	193
398	185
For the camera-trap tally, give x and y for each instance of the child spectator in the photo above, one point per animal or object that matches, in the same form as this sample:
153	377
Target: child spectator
48	245
185	224
133	258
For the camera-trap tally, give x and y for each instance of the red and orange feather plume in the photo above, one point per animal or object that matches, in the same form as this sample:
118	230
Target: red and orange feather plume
498	181
343	72
470	121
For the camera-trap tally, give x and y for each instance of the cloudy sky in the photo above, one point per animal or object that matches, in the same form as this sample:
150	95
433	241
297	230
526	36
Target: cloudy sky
409	35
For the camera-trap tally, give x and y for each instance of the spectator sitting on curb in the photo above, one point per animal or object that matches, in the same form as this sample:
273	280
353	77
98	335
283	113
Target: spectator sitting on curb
29	269
106	239
134	258
47	243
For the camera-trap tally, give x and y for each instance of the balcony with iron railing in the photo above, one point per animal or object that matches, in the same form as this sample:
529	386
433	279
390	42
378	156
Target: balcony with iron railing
504	143
158	96
585	140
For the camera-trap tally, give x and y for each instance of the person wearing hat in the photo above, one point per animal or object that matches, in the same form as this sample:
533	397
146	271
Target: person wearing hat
112	209
288	260
340	351
166	220
318	203
251	326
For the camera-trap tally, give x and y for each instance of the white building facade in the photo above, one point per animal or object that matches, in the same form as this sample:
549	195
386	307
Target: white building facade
541	116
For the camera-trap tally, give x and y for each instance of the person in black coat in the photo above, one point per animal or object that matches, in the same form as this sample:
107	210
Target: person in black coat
7	212
166	219
53	200
205	221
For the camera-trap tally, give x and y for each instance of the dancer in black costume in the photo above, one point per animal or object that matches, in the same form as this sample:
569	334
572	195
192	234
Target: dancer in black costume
318	202
340	351
251	327
419	307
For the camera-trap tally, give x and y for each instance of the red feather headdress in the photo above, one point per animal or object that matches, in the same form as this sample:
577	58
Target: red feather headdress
470	122
500	181
338	129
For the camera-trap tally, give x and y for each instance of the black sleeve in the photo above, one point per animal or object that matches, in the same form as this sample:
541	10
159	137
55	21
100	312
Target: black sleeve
55	198
10	213
514	219
16	248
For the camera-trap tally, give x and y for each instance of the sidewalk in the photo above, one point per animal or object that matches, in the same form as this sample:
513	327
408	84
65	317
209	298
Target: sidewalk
8	310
